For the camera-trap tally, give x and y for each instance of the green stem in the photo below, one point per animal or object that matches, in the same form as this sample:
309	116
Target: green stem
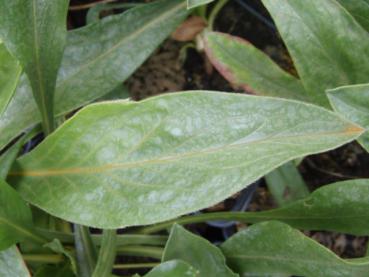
107	254
85	250
142	251
135	266
129	239
215	11
43	258
249	217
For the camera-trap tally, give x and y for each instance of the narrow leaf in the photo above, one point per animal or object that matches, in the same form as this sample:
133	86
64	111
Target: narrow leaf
97	59
353	103
274	247
12	264
142	153
328	46
107	252
196	251
341	207
9	75
85	251
15	218
358	9
34	31
195	3
245	66
173	268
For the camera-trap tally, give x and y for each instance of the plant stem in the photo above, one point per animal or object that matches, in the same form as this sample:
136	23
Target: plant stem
107	254
141	251
215	11
134	266
43	258
129	239
85	250
249	217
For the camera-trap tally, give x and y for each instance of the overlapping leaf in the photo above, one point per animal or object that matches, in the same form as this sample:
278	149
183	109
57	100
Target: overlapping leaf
195	3
96	60
9	75
245	66
173	268
124	163
34	31
328	46
273	247
352	102
196	251
12	264
358	9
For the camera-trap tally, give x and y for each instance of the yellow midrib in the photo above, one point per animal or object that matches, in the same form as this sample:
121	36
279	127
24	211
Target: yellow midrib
352	130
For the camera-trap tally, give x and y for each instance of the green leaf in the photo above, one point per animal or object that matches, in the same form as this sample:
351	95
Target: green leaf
173	269
97	59
107	252
85	250
353	103
196	251
286	184
9	75
196	3
341	207
54	271
56	246
7	159
358	9
142	153
274	247
12	264
34	31
328	46
15	217
247	67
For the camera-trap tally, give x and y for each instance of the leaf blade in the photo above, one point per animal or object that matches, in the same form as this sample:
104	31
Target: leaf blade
197	252
262	249
352	103
162	135
84	45
173	268
12	264
38	46
245	66
315	34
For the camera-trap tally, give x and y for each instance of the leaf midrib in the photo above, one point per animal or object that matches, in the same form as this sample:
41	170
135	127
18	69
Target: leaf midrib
351	130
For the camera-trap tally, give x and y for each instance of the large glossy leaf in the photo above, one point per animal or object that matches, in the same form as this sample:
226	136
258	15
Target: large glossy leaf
196	251
245	66
12	264
195	3
9	75
328	46
97	59
173	269
274	248
34	31
359	9
128	163
353	103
